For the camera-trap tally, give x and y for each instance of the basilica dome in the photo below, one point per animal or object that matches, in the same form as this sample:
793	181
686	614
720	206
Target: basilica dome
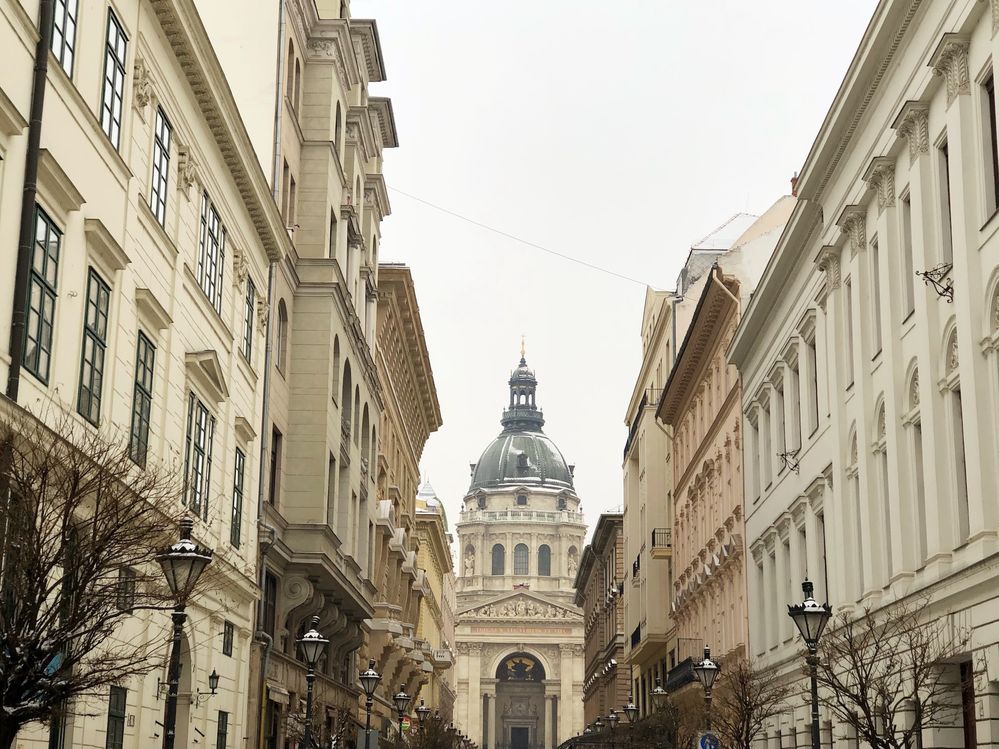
522	455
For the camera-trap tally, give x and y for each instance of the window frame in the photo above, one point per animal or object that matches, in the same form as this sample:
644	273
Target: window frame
228	637
238	478
222	730
66	43
160	180
249	312
125	589
45	281
117	715
198	445
521	560
142	399
115	67
212	236
95	329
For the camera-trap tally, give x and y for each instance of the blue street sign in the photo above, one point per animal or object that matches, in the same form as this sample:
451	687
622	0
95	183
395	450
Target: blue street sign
708	741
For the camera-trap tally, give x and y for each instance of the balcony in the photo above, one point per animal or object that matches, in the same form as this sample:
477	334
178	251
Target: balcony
662	543
540	516
442	658
688	650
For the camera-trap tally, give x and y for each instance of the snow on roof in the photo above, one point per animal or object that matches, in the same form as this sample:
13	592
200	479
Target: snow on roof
725	235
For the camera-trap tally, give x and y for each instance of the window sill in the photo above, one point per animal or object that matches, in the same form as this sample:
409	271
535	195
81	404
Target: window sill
208	310
161	239
248	370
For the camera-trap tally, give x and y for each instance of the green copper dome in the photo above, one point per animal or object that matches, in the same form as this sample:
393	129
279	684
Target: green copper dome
522	455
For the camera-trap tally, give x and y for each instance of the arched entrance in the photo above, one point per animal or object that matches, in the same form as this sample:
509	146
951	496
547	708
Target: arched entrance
520	702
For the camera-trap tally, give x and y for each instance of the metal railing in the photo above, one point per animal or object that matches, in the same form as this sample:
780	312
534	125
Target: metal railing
662	538
556	516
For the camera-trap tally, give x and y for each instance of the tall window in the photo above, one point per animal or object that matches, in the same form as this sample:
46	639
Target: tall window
238	471
331	490
947	240
908	270
42	296
960	463
228	636
125	593
859	539
142	400
222	733
282	338
499	559
211	253
779	422
794	405
919	486
161	166
544	560
198	455
812	363
766	457
875	297
117	703
520	559
249	311
64	33
991	151
884	478
114	79
848	332
275	472
270	603
95	331
755	445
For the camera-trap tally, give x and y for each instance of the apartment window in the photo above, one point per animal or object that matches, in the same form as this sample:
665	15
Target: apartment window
222	733
766	458
270	603
125	592
236	527
991	151
498	560
884	477
947	240
960	463
249	311
292	199
198	455
211	253
275	472
42	296
856	510
876	297
282	338
848	323
520	559
794	405
918	472
908	271
755	464
812	363
114	79
142	400
95	329
331	490
779	420
544	560
332	249
161	166
228	635
64	33
117	701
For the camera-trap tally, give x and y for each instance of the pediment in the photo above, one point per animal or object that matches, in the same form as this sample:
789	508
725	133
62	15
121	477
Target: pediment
520	605
205	368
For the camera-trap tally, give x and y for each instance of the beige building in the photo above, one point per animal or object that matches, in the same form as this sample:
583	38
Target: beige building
892	491
519	635
153	231
702	407
395	636
599	593
436	620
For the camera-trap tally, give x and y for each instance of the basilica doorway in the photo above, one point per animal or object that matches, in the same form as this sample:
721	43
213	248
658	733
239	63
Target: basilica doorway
520	702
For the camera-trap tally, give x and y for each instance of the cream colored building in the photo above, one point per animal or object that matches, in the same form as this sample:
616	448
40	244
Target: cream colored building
519	634
892	491
436	620
158	217
701	405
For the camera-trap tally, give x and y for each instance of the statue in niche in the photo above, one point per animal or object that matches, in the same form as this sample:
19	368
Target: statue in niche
469	564
572	565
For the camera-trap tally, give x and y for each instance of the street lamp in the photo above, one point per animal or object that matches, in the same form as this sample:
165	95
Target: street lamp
182	564
313	645
659	695
598	724
811	619
631	710
612	719
369	683
706	672
421	713
401	701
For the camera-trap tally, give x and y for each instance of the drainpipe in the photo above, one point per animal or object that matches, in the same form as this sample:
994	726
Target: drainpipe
26	235
264	530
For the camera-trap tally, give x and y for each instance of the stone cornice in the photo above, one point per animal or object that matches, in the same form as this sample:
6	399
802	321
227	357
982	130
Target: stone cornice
383	117
364	34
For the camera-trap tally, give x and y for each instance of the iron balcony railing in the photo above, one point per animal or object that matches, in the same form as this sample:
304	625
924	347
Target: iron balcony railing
662	538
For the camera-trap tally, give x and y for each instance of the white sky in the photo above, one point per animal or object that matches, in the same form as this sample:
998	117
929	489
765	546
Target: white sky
616	132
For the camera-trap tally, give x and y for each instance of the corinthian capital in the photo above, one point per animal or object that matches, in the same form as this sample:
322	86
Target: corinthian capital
853	222
828	263
912	124
995	15
880	177
950	60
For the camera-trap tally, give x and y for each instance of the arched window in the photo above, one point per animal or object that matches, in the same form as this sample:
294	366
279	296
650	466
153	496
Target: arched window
520	557
918	498
357	412
955	406
365	433
856	511
338	128
544	560
374	445
298	86
345	401
884	479
336	367
282	337
289	85
499	559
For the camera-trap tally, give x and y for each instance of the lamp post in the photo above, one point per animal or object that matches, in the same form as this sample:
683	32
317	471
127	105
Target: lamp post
631	710
401	701
312	645
659	695
421	714
811	619
706	672
612	719
182	564
369	683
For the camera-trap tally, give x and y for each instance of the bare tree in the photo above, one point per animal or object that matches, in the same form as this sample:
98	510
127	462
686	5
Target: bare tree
745	699
434	733
80	524
674	723
884	674
333	721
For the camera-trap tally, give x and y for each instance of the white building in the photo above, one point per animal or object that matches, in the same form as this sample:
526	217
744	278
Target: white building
882	395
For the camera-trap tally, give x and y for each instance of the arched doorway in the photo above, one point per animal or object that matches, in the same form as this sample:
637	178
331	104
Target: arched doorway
520	702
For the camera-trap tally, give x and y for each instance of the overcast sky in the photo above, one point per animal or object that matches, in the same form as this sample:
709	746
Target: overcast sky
615	132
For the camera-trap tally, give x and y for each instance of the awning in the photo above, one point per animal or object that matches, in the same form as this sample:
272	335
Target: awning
277	693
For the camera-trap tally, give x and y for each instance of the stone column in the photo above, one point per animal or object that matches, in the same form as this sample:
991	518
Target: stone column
565	689
474	725
547	741
492	720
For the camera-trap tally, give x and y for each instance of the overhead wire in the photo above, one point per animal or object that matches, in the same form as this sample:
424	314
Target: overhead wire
517	239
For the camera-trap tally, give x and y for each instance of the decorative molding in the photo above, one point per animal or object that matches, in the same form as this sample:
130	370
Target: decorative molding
240	266
150	310
204	366
103	247
914	390
263	311
995	15
244	430
828	262
950	60
142	87
56	186
913	124
953	358
853	222
880	178
187	169
12	121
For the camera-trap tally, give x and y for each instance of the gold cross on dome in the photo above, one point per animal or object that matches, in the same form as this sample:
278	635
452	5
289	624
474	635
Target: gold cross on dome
522	347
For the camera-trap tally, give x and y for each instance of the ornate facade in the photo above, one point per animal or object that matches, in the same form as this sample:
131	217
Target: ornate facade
891	491
148	315
519	634
599	593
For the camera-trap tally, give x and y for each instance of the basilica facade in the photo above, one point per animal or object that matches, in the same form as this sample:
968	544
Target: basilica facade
519	635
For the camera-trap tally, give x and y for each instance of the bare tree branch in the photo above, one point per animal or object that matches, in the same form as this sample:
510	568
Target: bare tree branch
745	699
